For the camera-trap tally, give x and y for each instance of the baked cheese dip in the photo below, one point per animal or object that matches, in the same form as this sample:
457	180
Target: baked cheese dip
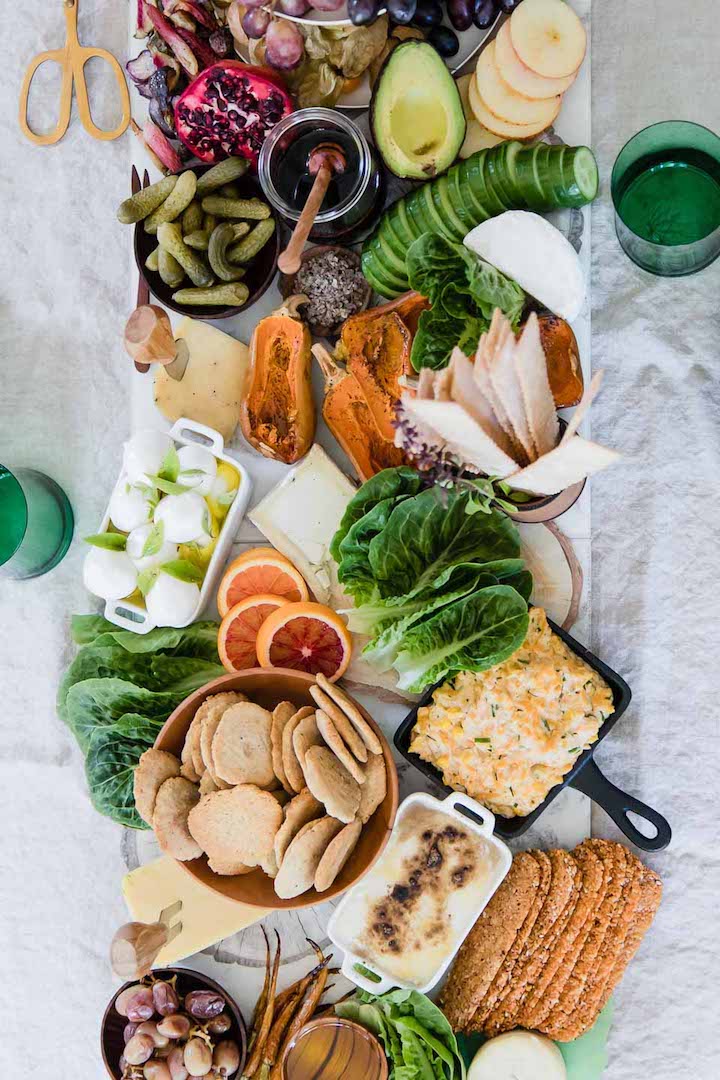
508	735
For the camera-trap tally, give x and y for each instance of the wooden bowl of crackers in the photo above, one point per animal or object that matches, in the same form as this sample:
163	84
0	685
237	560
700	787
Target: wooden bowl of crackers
271	787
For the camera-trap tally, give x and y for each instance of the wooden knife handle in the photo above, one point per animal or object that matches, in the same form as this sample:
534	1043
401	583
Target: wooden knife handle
134	948
149	337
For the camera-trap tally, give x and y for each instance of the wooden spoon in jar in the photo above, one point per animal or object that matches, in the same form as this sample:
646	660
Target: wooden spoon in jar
323	161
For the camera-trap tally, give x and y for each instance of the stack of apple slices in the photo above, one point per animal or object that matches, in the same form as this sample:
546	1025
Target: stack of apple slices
521	76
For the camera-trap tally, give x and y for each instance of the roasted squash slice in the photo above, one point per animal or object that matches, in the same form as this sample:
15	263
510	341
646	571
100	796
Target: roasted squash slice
563	360
377	353
277	415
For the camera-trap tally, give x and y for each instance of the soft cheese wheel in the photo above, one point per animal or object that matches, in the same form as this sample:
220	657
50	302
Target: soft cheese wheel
518	1055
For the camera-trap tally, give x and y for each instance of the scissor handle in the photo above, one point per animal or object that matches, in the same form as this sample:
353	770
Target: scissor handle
82	55
52	56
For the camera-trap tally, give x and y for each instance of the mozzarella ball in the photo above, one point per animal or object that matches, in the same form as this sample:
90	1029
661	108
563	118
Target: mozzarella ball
144	455
109	574
136	542
171	602
185	517
202	467
130	507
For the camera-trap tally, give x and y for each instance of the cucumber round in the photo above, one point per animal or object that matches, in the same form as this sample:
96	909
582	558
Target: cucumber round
473	211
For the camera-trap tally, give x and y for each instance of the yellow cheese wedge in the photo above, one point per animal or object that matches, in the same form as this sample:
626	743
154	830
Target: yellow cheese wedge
206	917
212	387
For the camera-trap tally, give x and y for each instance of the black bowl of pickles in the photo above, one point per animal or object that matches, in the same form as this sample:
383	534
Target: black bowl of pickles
206	241
172	1023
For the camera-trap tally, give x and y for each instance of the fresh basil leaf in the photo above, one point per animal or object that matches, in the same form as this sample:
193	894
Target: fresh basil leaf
110	541
170	465
191	473
154	540
147	578
226	498
169	487
183	570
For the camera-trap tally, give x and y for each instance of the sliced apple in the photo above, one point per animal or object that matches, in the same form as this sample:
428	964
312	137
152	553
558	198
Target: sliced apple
504	102
501	127
548	37
477	137
519	77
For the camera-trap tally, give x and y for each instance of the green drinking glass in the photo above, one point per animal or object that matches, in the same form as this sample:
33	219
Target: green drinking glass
36	523
666	192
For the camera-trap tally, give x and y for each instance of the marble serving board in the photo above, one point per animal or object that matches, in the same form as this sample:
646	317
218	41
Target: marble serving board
238	961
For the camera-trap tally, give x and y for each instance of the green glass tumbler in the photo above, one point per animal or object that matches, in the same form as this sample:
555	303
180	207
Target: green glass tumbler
36	523
666	192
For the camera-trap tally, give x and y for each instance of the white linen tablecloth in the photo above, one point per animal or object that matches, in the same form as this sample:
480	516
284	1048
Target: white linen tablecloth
64	409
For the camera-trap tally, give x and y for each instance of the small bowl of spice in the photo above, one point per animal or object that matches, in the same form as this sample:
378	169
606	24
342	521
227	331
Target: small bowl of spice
332	279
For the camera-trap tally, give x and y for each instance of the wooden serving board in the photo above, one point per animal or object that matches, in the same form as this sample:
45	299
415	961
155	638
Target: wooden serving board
237	962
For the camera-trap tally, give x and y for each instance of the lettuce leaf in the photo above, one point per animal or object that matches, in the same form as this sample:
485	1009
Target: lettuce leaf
387	484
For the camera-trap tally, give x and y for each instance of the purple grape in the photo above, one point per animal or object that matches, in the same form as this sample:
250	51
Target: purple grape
507	5
140	1005
284	45
128	1031
254	3
327	5
165	998
296	8
443	40
362	12
460	13
485	13
427	13
401	11
204	1004
255	22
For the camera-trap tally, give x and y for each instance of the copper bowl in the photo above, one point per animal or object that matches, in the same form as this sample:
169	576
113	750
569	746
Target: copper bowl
267	687
113	1024
259	273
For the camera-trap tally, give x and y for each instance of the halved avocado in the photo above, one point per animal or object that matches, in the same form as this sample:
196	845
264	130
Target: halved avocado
416	114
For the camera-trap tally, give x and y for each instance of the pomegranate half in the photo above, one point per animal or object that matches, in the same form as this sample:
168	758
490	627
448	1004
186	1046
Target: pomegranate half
228	110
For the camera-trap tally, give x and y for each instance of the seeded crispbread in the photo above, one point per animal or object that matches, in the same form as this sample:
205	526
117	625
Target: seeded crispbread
237	825
291	765
241	749
616	873
650	897
302	858
561	960
336	854
342	723
374	789
303	808
210	714
305	735
153	769
352	712
175	800
187	769
282	713
193	737
489	942
332	784
331	735
550	922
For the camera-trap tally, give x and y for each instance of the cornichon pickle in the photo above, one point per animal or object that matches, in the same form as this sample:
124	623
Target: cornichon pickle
223	173
230	191
198	240
221	239
170	269
219	296
170	236
141	204
179	198
192	217
236	208
210	222
248	248
151	263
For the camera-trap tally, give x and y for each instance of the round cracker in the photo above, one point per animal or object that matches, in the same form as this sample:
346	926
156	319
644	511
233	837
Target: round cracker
302	858
207	784
153	769
228	868
293	771
298	812
331	783
176	798
331	735
374	789
282	714
305	735
210	713
241	749
352	712
336	854
237	825
187	769
343	726
193	737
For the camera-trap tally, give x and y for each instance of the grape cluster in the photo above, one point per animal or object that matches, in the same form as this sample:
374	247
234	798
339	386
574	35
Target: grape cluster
169	1040
428	16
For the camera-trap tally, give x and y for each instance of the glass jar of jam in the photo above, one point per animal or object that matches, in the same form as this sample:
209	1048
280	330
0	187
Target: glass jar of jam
354	199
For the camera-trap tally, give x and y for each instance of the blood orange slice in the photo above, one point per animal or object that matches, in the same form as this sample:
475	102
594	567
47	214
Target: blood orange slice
261	570
237	636
305	636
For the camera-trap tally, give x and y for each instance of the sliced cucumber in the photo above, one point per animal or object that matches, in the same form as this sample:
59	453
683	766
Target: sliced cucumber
496	179
580	176
464	197
444	206
527	178
401	225
473	170
439	224
381	248
388	233
417	212
506	157
381	277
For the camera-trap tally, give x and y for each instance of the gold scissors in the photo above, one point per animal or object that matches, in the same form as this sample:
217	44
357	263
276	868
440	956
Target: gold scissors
72	59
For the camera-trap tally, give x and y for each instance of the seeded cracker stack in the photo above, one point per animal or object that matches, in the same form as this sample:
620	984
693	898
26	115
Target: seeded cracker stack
553	943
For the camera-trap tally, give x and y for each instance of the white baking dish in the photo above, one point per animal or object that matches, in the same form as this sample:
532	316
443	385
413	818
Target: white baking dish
482	822
185	432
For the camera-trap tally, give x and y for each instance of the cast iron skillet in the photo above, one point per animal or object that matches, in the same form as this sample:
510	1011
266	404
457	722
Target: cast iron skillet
585	775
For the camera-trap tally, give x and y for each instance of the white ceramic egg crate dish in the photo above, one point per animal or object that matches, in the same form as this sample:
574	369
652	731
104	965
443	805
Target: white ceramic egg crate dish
186	432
